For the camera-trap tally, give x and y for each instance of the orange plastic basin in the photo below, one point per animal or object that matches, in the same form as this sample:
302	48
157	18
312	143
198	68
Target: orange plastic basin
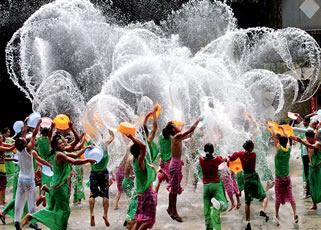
126	128
236	166
61	121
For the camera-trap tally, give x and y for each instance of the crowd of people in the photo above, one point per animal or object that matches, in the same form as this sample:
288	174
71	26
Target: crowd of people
62	152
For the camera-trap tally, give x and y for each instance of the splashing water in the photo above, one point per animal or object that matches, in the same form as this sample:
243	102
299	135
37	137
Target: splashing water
68	58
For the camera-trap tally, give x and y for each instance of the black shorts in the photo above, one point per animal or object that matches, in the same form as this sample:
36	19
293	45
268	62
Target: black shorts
99	184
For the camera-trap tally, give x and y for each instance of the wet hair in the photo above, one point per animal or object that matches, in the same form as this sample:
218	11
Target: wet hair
54	144
135	150
19	144
5	130
165	133
307	119
283	141
69	139
310	133
248	146
44	132
169	130
209	150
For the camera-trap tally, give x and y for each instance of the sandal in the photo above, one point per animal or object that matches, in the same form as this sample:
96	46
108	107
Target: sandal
3	218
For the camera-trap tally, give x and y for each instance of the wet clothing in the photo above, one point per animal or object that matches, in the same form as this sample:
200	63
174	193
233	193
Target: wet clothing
165	148
99	178
283	190
248	160
165	168
282	162
229	181
3	175
56	216
240	181
253	187
26	185
175	176
315	176
210	169
213	190
99	184
146	197
128	186
77	183
120	174
10	165
146	207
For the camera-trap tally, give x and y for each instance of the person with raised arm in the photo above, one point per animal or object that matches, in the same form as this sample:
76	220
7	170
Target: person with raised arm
252	184
145	174
314	150
57	214
214	201
175	168
283	185
153	149
26	180
3	175
99	183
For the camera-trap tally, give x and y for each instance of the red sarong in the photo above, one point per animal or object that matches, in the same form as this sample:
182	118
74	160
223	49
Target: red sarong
175	176
283	190
146	207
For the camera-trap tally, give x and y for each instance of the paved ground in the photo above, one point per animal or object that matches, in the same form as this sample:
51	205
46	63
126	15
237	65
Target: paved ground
190	207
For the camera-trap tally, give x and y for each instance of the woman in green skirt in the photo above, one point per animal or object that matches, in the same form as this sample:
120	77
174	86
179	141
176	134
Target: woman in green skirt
57	214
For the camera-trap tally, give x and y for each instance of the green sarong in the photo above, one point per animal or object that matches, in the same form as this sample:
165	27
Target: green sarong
253	187
240	180
315	182
212	216
57	214
128	186
77	184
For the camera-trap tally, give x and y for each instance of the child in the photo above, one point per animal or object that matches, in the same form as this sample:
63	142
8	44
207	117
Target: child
231	187
252	183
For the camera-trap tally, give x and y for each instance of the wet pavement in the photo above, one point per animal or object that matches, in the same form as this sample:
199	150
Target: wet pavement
190	207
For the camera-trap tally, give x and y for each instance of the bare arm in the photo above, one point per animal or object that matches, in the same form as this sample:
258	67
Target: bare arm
32	142
39	159
24	128
73	144
306	143
155	125
51	131
142	147
6	149
79	153
110	139
60	157
82	142
189	132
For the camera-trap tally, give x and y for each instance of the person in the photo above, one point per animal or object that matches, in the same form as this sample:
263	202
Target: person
26	180
230	185
99	183
283	185
56	215
43	148
252	184
314	150
10	165
152	146
146	197
213	196
175	168
165	141
3	176
128	186
120	174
